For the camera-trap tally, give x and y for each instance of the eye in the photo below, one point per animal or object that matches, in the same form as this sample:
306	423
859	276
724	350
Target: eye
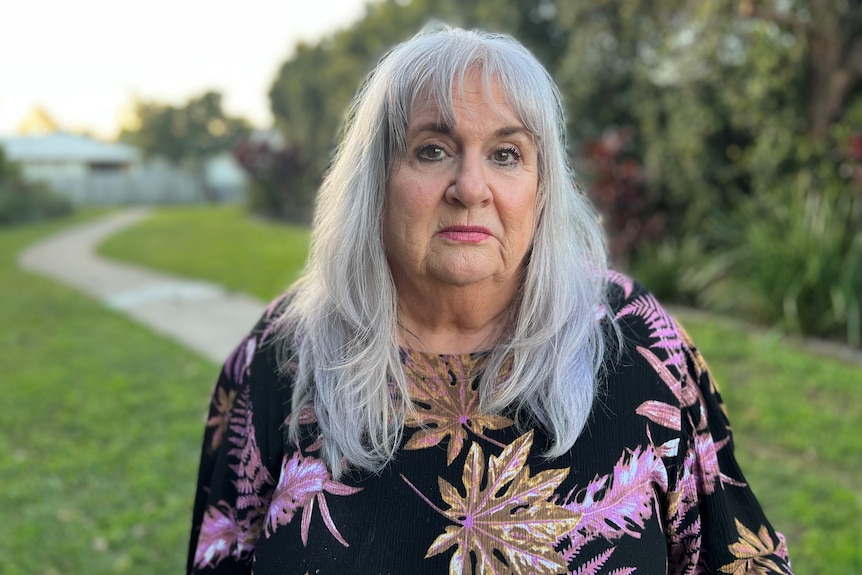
431	153
506	156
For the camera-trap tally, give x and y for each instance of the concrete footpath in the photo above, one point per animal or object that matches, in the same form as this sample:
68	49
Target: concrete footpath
204	317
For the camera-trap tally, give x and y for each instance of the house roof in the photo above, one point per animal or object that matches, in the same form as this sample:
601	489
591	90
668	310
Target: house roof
63	147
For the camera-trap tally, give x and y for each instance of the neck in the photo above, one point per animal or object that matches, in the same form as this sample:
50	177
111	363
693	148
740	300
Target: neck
454	321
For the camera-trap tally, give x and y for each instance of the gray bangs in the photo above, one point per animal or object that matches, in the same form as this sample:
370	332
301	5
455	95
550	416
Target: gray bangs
433	66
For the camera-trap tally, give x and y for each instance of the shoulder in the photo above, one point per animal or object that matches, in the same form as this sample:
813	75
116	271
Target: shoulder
655	355
257	353
642	319
659	363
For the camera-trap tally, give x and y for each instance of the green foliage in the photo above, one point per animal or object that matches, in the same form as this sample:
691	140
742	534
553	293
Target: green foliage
797	258
102	422
22	201
185	134
726	111
279	186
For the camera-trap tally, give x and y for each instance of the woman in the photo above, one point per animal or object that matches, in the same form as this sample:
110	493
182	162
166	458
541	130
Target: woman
457	383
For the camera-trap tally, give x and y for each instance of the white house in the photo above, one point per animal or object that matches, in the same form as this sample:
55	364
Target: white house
93	172
61	155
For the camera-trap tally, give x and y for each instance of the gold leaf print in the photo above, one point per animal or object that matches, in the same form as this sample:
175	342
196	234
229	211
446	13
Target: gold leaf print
447	405
751	552
508	525
223	404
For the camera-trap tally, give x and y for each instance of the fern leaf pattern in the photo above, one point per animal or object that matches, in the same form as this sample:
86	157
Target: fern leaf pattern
620	504
239	361
594	565
623	281
303	482
662	328
253	481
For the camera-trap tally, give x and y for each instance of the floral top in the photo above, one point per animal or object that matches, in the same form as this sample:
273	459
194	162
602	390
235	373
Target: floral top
651	486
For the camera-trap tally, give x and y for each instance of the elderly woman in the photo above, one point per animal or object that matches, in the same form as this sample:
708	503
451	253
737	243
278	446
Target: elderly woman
458	384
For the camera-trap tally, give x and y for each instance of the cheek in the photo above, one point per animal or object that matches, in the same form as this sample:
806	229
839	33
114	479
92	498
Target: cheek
520	212
411	203
404	214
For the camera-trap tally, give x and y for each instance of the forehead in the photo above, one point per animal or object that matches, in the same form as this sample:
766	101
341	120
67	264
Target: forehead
470	100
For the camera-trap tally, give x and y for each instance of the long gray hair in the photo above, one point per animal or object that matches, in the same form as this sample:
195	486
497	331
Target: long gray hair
341	324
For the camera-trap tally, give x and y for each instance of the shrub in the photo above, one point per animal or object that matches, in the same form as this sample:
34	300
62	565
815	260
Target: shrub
798	262
790	254
617	187
23	201
278	177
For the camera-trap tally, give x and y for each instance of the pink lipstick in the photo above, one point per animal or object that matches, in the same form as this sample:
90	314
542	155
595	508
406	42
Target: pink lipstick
465	234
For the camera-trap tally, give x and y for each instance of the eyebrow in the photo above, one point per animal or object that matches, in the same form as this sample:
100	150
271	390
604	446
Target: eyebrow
513	131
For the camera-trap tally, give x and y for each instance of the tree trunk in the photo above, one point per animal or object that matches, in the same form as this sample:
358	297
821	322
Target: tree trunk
834	56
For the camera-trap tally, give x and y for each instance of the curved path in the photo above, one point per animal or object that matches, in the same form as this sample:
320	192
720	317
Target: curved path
202	316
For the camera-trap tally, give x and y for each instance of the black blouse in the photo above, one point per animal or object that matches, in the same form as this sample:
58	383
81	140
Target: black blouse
651	486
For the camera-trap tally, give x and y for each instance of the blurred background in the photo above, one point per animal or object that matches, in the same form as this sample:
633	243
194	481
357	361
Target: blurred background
721	141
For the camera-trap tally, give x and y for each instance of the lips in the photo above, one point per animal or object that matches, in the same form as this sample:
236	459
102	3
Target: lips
465	234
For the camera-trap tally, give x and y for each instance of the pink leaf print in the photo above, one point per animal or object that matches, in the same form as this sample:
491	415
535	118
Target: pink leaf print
708	470
239	361
306	416
622	280
683	393
594	565
627	503
684	544
661	413
669	448
272	323
303	481
662	328
253	481
218	535
573	548
252	477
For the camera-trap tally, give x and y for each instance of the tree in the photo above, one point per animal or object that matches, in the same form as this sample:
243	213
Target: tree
276	173
744	116
831	31
185	135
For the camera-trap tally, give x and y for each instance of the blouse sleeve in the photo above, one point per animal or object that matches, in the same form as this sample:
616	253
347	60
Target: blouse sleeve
716	524
240	460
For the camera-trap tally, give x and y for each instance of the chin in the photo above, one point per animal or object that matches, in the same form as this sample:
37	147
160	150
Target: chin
465	276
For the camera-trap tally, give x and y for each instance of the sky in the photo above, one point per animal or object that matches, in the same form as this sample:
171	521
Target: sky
86	61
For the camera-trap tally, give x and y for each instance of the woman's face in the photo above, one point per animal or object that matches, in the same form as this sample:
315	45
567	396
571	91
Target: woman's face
460	205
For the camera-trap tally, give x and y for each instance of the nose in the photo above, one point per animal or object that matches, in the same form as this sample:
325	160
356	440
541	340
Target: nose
470	186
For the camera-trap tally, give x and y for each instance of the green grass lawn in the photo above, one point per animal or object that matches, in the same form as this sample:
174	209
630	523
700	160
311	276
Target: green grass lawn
797	421
221	245
100	440
101	423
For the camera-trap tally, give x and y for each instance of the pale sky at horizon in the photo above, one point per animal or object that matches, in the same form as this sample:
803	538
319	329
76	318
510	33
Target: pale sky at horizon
84	61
